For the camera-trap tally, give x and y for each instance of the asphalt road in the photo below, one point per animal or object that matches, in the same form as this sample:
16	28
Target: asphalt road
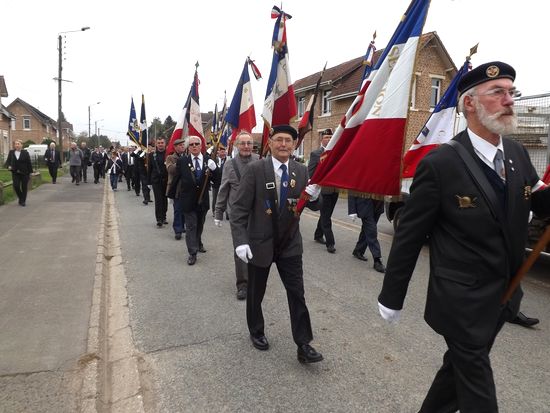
197	356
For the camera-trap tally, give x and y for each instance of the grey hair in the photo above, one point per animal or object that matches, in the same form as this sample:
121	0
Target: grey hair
470	92
188	140
241	133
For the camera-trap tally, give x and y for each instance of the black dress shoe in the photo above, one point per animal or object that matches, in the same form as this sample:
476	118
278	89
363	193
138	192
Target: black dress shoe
178	236
165	222
201	249
331	249
159	224
192	260
241	294
378	266
320	240
359	256
307	354
524	321
260	343
145	202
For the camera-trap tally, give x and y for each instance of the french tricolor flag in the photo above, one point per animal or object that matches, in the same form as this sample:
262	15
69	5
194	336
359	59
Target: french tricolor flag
241	114
365	152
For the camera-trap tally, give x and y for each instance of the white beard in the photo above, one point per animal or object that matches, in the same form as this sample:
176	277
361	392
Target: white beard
497	122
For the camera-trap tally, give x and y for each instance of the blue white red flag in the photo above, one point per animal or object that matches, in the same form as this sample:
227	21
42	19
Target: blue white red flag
365	152
133	125
439	128
241	114
280	104
143	141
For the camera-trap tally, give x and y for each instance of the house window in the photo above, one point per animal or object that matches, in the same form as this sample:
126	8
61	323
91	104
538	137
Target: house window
301	106
26	122
299	151
413	91
325	104
435	94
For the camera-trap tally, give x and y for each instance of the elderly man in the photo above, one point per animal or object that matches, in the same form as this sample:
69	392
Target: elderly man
472	197
75	163
227	195
265	231
195	179
86	157
173	187
53	160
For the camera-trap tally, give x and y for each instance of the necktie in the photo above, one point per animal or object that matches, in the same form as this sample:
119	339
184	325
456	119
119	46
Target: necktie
283	192
197	168
130	160
499	164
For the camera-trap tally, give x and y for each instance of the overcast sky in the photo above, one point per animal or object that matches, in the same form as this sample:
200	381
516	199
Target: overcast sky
136	47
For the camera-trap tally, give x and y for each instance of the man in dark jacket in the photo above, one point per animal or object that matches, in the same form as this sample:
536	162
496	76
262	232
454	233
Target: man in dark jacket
53	160
20	165
472	197
157	176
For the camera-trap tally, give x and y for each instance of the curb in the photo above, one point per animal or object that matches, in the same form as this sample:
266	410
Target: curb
111	380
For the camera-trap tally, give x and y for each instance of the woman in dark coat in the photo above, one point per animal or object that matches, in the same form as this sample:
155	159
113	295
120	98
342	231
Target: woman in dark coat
19	163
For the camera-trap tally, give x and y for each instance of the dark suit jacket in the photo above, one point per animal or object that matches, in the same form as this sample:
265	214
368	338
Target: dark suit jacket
22	166
473	253
314	159
48	158
191	187
252	212
156	169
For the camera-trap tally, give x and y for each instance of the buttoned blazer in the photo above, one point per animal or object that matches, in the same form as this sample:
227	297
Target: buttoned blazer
48	158
473	251
156	169
191	187
23	165
253	213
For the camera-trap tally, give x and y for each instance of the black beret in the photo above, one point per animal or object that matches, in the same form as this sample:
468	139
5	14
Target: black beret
484	73
326	132
284	129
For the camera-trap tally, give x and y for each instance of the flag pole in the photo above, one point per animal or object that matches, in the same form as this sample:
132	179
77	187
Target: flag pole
527	264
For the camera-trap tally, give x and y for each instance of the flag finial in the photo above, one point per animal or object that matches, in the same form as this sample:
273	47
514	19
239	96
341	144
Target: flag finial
197	65
473	51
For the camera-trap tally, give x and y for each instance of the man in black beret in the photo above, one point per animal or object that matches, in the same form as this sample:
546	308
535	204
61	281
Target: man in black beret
471	199
265	231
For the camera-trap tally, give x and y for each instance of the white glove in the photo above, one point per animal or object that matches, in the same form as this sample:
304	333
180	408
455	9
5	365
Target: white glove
244	252
391	316
353	217
313	190
217	222
212	165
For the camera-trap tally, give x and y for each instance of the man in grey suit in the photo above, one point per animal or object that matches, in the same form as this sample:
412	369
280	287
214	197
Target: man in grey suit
227	195
472	198
265	230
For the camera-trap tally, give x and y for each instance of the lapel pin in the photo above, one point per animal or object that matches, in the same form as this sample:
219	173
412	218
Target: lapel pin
466	202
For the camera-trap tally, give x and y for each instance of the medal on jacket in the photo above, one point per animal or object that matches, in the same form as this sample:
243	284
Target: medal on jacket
466	202
527	192
268	210
292	183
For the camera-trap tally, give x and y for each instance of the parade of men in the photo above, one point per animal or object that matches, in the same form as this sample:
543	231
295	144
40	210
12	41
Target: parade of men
325	207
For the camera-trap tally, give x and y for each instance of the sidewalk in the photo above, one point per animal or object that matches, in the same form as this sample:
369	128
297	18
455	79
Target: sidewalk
47	266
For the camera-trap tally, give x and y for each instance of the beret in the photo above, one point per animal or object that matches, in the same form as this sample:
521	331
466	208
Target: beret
326	132
178	141
485	72
284	129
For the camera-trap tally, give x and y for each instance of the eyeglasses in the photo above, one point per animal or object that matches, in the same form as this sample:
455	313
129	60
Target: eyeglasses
280	140
246	143
195	144
500	92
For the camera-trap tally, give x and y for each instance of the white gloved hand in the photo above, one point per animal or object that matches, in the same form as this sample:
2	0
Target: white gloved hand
244	252
313	190
212	165
391	316
353	217
217	222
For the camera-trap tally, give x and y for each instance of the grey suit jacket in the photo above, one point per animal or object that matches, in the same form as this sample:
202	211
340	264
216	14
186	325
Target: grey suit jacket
253	213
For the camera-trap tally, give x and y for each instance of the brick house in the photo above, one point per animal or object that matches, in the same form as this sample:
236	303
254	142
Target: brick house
6	121
434	71
32	124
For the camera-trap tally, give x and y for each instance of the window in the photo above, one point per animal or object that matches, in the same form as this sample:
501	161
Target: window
413	91
299	151
435	94
301	106
325	104
26	122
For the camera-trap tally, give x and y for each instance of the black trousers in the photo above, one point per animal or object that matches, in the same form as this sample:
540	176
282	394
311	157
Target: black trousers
97	172
161	202
465	380
291	273
129	175
20	186
52	169
194	224
324	225
84	171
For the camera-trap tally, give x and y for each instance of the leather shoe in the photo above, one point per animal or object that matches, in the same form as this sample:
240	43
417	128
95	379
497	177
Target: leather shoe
192	260
320	240
378	266
165	222
241	294
260	343
331	249
359	256
524	321
159	224
201	249
178	236
307	354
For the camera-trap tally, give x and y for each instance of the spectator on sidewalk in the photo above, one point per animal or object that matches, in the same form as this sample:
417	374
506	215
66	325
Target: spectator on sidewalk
53	161
75	162
20	165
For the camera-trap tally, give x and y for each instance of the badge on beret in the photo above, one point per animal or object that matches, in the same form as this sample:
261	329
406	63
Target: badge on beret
492	71
292	183
527	192
466	202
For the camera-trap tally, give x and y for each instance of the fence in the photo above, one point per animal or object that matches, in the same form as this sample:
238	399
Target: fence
533	128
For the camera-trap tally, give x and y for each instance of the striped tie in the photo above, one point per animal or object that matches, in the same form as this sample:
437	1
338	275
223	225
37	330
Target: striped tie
499	165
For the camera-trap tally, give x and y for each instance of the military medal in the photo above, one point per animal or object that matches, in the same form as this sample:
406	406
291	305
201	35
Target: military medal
527	192
292	183
466	202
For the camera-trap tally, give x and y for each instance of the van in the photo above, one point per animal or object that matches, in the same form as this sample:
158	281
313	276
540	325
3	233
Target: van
36	151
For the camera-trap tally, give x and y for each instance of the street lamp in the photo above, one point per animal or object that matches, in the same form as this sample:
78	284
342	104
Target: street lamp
96	126
89	121
59	80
